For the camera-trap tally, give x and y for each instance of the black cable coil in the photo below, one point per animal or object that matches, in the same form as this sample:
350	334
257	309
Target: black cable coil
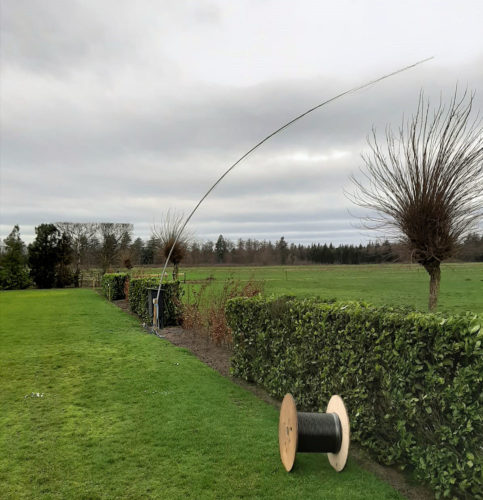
319	433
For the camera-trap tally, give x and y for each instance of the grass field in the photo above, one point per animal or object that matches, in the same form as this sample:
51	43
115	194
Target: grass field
461	284
93	407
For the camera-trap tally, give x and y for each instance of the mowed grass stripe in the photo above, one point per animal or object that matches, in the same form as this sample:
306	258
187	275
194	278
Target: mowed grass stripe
127	415
380	284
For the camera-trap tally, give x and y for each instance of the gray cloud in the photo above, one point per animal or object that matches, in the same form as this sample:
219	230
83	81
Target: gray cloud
106	113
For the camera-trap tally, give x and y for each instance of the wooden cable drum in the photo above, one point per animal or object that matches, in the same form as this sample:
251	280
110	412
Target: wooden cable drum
300	432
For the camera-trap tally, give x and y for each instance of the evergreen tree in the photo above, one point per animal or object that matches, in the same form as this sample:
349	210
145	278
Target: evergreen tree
149	251
220	249
282	249
63	272
136	251
48	256
13	263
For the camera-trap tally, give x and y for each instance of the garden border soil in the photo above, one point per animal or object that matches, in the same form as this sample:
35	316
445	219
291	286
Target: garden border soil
218	358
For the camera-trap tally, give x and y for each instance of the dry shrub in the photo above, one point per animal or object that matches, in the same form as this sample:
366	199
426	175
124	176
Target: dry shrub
207	313
191	317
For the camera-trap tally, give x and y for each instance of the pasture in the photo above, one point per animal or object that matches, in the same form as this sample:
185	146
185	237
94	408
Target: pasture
391	284
93	407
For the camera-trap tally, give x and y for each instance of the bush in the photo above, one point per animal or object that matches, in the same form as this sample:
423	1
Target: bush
113	285
138	300
14	278
13	263
412	382
207	313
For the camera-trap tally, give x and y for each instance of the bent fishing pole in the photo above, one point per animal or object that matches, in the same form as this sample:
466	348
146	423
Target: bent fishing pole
283	127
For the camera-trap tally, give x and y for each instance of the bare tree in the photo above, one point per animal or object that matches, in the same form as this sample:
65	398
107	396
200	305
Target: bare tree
113	236
166	235
426	184
81	235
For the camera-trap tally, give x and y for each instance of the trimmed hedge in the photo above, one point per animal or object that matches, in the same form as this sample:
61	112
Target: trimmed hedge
113	285
412	382
138	299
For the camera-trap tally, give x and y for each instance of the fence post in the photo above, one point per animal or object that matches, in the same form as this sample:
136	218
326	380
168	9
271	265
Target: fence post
155	313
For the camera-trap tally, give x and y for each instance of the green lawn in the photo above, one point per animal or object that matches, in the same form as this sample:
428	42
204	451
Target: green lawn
123	414
461	284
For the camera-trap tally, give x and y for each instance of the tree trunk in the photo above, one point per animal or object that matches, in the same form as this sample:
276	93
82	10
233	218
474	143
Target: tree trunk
434	272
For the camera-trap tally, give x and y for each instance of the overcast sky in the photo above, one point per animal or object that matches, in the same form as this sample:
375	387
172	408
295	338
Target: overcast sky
120	110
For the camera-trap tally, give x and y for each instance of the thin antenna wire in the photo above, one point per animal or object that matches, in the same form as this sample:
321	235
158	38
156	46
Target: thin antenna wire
338	96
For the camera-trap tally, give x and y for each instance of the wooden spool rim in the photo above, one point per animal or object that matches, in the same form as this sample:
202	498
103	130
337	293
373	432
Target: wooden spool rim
339	460
288	432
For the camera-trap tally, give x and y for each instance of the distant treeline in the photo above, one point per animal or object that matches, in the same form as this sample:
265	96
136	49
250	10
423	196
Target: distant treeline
110	246
266	253
254	252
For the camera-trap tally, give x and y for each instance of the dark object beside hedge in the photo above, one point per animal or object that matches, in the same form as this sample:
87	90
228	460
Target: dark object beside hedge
413	382
113	285
139	300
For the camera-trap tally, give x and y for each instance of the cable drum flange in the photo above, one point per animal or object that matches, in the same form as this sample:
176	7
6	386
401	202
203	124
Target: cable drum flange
301	432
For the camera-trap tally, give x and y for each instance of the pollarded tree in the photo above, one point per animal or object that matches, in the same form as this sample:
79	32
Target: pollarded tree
173	238
426	183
